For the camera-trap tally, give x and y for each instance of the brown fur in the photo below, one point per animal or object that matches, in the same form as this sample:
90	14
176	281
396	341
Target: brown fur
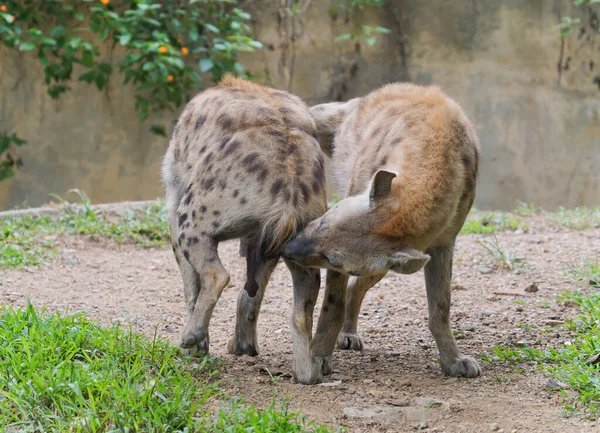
406	158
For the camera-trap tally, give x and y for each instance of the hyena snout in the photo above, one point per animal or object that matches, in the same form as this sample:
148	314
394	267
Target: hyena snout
302	250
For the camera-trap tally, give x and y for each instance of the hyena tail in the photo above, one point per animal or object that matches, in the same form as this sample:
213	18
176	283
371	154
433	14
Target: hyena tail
278	227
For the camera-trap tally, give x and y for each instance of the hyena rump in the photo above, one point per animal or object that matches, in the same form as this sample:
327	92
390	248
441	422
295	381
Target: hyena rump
406	158
243	163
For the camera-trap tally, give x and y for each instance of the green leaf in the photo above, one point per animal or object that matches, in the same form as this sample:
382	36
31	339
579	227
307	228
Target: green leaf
383	30
49	41
370	40
88	77
27	46
158	130
148	66
125	39
212	28
58	31
205	64
343	37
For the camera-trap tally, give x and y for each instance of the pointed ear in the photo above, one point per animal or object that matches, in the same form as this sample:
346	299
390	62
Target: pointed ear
381	186
407	261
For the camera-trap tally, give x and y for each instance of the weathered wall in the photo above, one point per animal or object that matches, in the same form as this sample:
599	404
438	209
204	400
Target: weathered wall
540	129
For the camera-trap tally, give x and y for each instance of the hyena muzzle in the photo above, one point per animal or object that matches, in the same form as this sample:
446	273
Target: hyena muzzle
406	159
244	163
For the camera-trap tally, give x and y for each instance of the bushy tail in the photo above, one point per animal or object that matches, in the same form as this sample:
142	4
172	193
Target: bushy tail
278	227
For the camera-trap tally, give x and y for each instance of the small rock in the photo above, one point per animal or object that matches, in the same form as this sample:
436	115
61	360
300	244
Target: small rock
519	308
494	427
551	322
485	270
331	384
336	376
428	402
554	385
249	360
520	343
532	288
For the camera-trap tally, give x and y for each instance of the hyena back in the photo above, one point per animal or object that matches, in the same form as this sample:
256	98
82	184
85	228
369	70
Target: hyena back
406	158
243	163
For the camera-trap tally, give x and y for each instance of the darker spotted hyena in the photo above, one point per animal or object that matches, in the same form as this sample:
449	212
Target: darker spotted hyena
243	163
406	159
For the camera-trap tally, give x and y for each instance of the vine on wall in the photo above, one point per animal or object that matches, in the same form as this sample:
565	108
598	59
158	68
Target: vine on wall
167	45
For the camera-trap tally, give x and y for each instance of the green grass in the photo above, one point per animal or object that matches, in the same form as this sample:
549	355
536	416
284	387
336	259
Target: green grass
578	218
480	222
588	273
498	258
569	363
65	373
29	241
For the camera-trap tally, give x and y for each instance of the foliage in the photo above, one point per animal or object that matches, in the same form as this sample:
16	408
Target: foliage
65	373
8	158
164	46
567	23
489	222
570	364
29	241
352	10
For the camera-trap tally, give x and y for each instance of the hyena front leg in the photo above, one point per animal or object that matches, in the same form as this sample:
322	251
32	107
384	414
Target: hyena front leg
214	278
259	269
438	277
331	319
306	290
349	339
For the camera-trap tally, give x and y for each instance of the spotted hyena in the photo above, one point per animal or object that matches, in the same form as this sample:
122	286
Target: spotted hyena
244	163
406	158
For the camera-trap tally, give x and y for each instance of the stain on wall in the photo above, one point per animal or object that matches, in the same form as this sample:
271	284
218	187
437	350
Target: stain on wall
539	124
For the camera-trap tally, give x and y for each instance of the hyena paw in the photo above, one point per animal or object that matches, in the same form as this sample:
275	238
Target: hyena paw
464	366
194	343
237	347
350	341
323	364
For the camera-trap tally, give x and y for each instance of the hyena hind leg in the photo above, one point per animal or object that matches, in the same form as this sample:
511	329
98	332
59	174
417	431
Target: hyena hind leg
259	269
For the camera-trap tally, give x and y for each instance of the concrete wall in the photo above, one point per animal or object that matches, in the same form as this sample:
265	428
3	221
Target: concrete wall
539	127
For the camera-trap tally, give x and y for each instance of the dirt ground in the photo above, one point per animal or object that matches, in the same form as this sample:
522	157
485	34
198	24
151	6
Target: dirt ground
394	385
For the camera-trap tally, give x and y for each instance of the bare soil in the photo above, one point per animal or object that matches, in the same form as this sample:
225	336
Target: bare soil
395	384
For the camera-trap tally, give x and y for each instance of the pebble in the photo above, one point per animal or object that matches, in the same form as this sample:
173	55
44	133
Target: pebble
532	288
484	270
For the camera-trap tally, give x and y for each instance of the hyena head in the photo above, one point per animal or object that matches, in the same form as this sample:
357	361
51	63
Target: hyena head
346	238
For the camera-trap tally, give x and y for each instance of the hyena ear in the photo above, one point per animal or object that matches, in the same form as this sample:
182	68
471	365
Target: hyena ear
407	261
381	186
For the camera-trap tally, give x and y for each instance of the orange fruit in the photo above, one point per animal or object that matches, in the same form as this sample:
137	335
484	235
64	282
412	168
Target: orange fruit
185	51
163	50
170	78
105	2
3	8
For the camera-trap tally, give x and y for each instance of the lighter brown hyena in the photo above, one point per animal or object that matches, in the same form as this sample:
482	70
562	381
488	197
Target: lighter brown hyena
406	158
244	163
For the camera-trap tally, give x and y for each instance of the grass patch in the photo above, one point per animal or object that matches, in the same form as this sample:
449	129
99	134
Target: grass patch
65	373
578	218
498	258
575	362
588	273
28	241
480	222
